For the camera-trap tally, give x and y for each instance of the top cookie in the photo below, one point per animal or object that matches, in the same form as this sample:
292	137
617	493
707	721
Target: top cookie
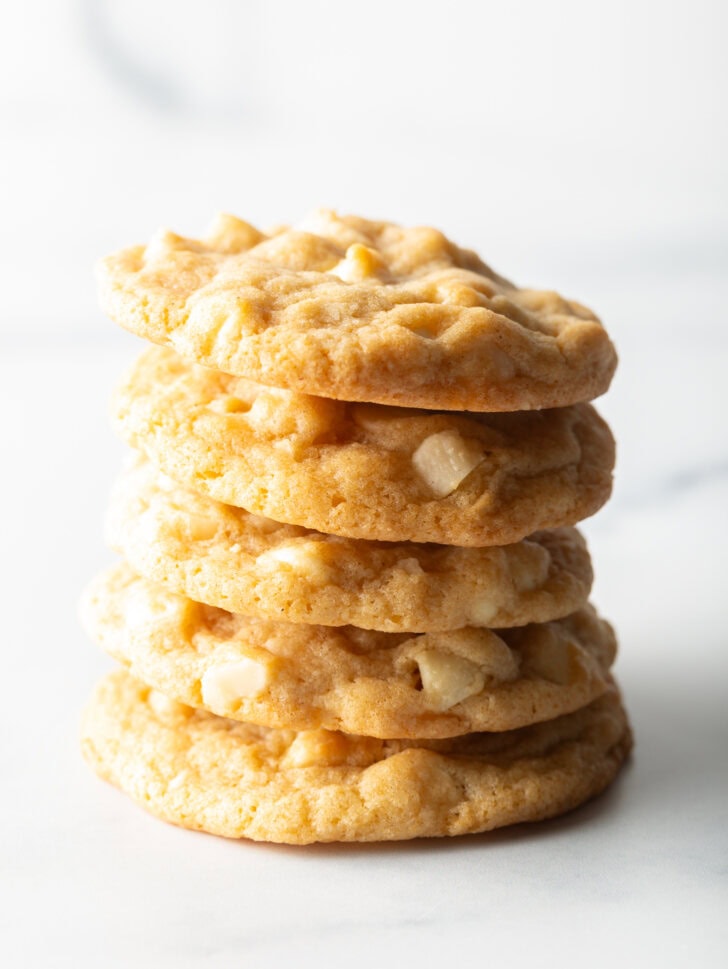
350	309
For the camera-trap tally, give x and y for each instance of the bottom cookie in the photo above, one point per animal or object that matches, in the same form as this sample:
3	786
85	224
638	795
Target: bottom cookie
243	781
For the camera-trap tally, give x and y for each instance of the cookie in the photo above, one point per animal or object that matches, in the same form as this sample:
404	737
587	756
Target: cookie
366	470
241	781
226	557
362	682
358	310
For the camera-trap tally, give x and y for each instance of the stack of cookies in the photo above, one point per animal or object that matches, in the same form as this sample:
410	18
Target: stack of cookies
352	604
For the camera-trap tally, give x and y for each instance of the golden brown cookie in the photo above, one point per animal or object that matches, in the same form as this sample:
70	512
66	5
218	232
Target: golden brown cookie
358	310
226	557
365	470
379	684
234	779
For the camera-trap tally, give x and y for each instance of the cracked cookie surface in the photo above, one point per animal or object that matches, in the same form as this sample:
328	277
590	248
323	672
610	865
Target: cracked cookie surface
238	780
352	309
366	470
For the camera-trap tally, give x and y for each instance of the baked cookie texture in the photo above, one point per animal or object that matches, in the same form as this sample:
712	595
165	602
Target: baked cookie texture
238	780
352	309
352	605
225	556
365	470
362	682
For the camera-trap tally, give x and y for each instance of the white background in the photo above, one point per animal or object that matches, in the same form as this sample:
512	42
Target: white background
577	145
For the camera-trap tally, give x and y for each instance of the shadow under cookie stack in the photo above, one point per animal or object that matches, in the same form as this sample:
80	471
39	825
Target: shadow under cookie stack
352	604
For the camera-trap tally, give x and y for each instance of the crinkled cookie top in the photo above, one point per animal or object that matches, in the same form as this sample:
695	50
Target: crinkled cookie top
352	309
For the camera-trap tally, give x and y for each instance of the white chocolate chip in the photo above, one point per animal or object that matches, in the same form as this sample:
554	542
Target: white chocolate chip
179	780
482	611
229	404
359	263
263	409
445	459
497	660
294	555
201	528
166	708
304	558
530	571
224	686
411	566
316	747
448	679
481	648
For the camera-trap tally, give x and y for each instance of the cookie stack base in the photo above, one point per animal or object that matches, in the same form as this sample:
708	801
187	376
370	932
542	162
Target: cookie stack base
237	780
